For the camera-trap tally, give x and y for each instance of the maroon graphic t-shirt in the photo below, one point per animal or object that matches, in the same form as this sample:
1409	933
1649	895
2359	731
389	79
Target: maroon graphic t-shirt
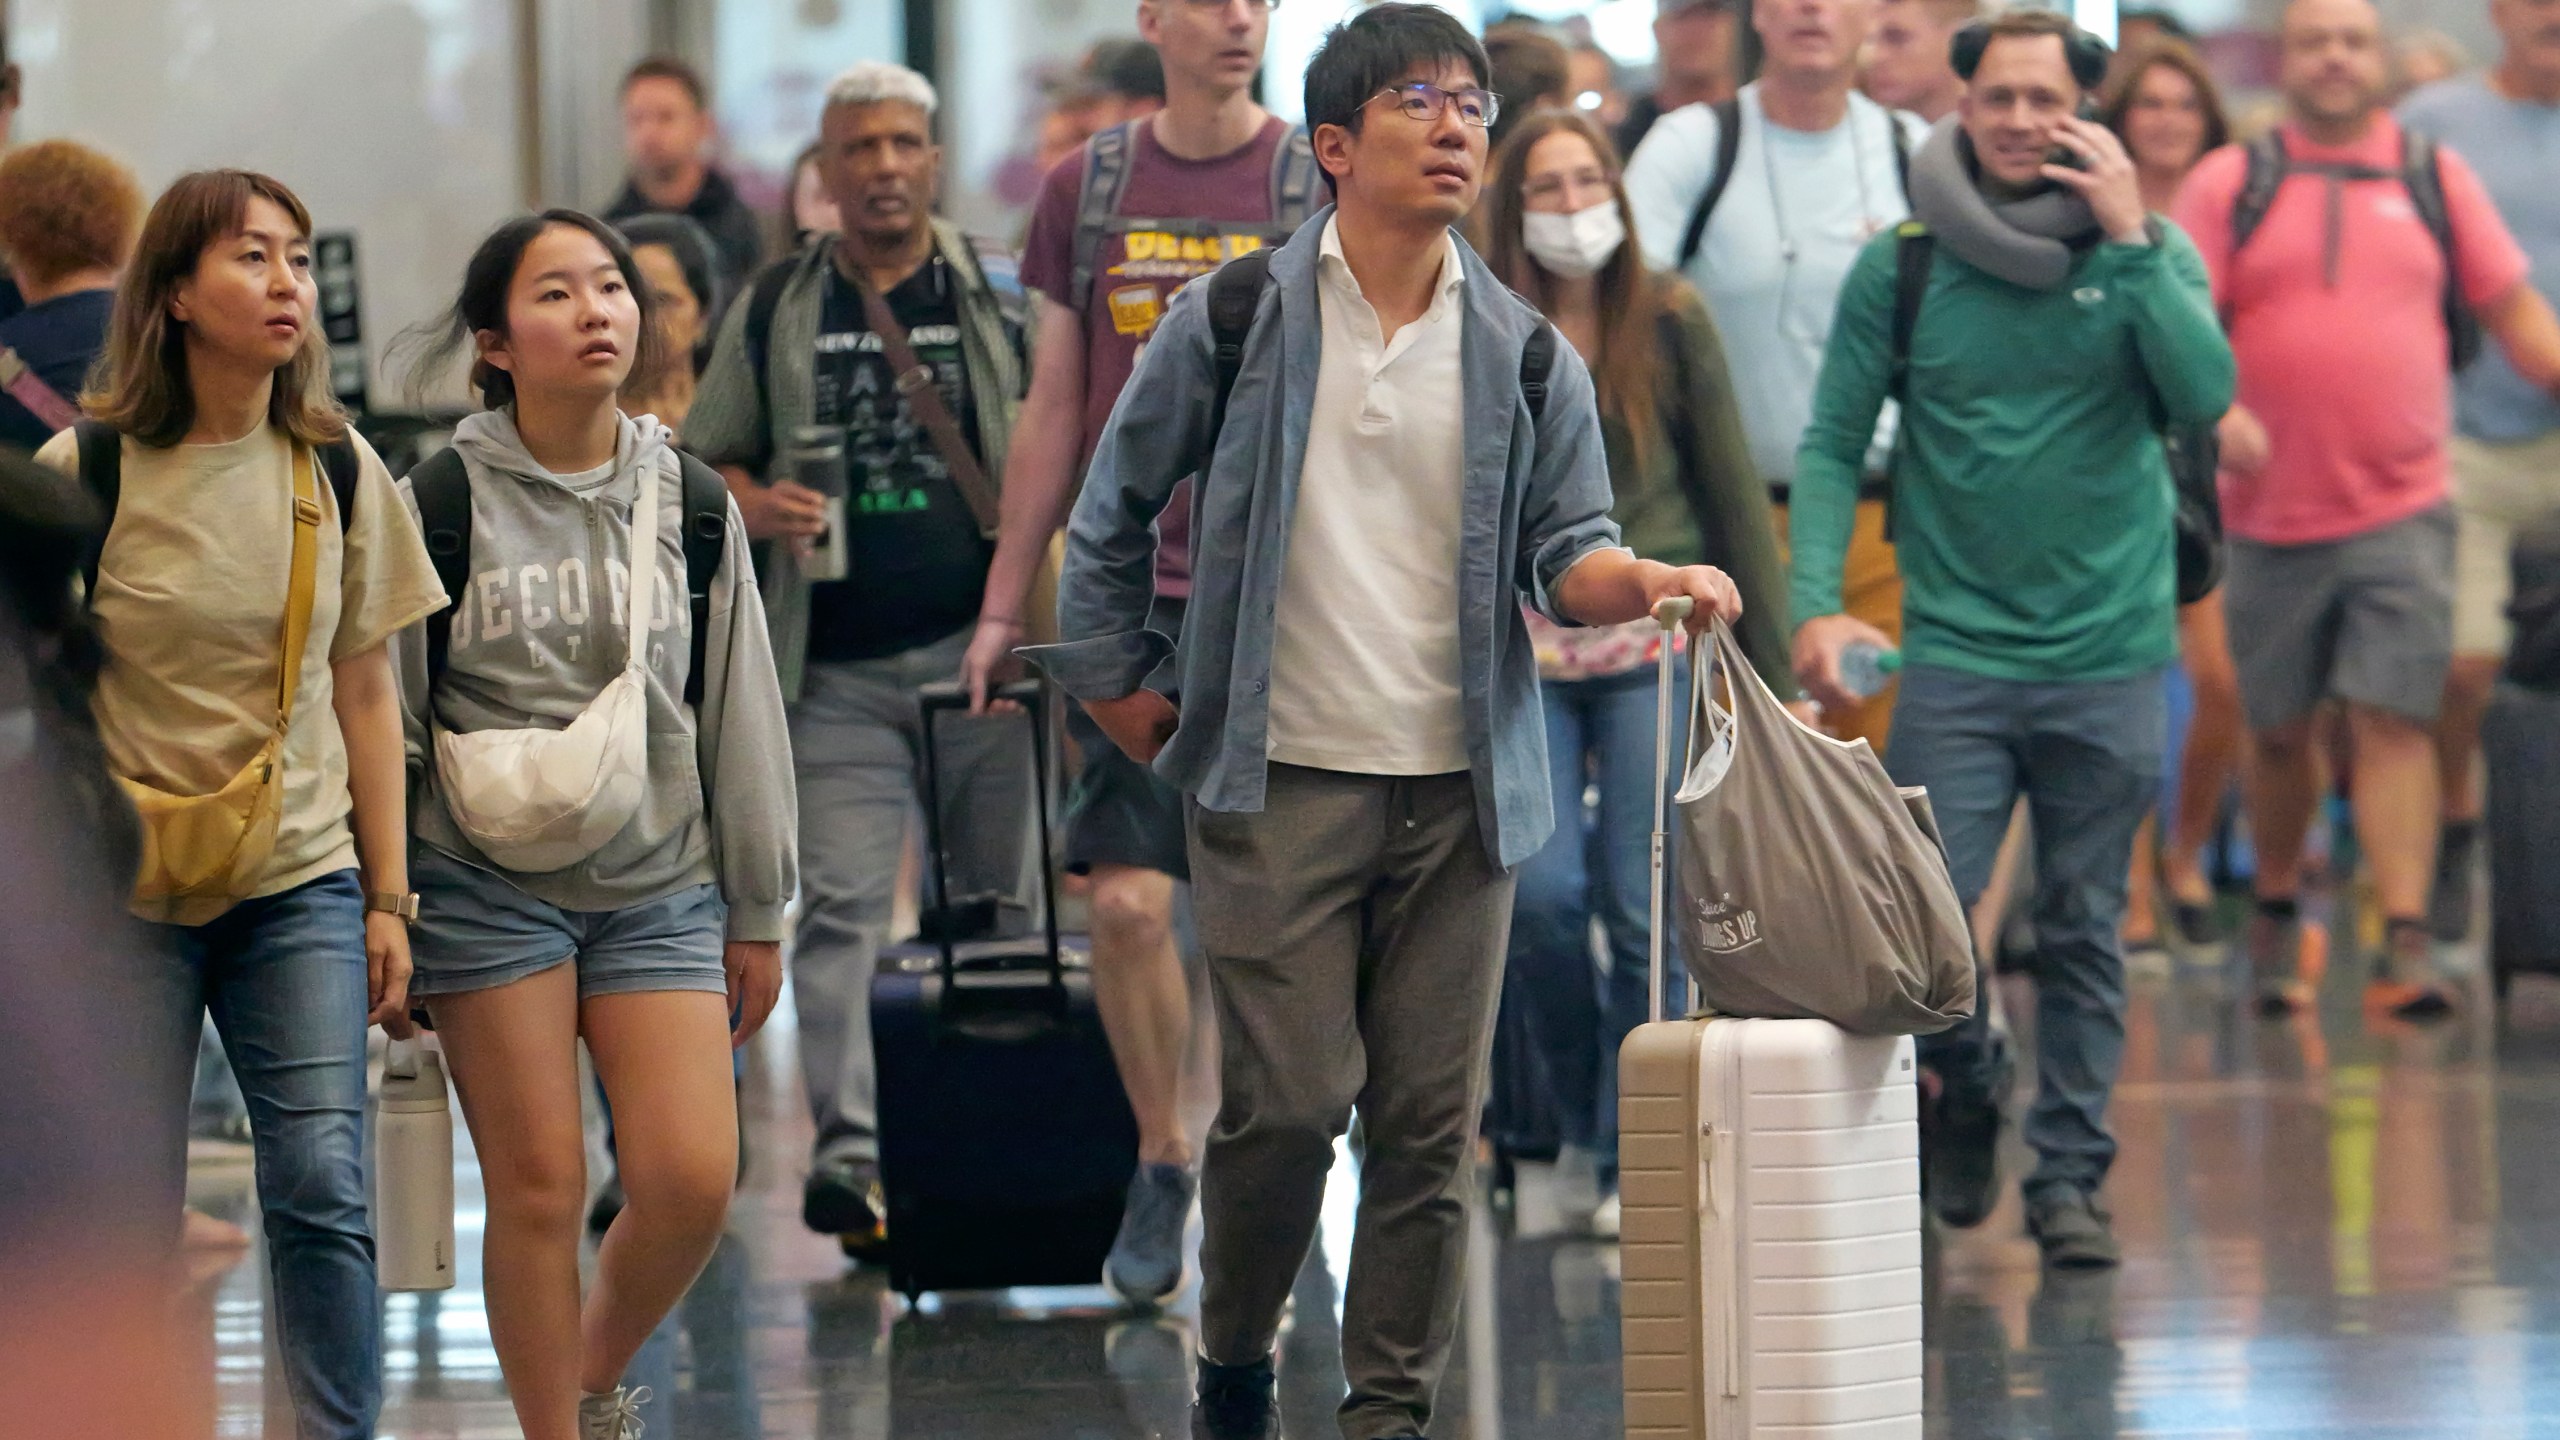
1136	272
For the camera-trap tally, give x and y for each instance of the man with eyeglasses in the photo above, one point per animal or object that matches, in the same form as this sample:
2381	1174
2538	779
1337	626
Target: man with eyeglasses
1360	735
1132	216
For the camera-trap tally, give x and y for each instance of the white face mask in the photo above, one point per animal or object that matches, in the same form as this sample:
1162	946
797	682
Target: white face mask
1578	244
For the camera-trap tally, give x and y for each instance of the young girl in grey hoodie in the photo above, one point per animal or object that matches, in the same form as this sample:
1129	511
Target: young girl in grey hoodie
657	942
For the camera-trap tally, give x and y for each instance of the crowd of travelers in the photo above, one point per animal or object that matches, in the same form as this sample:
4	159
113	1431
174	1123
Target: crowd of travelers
1980	375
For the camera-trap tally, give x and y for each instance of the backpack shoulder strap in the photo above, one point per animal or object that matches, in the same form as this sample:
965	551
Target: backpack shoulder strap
1235	293
1913	250
1901	153
1001	269
2258	187
102	475
442	487
2422	175
706	536
338	461
1728	148
1106	174
1537	362
764	297
1293	178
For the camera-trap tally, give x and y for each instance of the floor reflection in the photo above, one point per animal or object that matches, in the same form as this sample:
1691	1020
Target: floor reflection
2339	1227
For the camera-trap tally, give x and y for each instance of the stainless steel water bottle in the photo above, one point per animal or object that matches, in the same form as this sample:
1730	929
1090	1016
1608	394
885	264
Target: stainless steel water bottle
818	463
413	1171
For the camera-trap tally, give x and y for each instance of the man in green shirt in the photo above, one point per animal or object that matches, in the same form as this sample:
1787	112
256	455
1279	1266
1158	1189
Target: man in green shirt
2060	327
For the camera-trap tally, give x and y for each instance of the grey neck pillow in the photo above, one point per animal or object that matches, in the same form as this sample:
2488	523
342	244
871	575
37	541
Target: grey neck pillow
2027	241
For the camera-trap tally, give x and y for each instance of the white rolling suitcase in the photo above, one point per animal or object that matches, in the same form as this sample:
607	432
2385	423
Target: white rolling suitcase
1770	1176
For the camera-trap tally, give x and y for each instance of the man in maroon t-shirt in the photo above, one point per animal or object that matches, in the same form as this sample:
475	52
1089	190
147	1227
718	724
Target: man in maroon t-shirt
1131	217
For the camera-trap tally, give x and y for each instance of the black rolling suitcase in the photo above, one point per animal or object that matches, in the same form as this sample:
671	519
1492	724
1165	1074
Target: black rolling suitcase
1006	1143
2520	739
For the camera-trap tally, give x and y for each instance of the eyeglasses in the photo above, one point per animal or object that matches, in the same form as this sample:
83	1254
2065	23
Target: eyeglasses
1551	188
1425	102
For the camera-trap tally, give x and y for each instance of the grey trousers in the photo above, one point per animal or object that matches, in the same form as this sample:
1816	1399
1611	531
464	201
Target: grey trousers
1354	931
857	756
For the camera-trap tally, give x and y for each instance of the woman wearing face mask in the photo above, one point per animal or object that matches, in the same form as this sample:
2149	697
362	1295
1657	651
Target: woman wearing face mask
256	563
2165	108
634	900
1556	225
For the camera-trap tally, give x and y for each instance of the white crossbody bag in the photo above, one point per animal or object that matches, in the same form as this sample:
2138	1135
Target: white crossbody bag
536	801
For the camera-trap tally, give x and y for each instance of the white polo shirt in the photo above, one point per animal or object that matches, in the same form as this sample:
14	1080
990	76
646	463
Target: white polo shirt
1365	672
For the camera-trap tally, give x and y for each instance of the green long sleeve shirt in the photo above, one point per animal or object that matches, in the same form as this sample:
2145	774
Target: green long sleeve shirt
2032	501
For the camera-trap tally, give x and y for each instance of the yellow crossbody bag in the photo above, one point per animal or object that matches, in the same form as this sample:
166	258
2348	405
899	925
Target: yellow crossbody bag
217	845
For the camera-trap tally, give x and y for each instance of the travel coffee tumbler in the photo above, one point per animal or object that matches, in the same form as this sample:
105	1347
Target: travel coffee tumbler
413	1172
817	463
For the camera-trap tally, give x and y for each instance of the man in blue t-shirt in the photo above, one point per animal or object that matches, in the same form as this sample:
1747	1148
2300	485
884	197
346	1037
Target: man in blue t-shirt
2506	450
68	217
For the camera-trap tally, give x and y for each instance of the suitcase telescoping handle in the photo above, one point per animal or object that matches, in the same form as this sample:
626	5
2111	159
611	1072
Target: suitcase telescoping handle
1032	697
1670	614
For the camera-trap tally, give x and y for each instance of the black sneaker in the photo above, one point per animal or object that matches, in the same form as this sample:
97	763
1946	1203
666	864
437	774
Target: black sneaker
1960	1150
2073	1232
1236	1402
843	1199
608	1206
2449	906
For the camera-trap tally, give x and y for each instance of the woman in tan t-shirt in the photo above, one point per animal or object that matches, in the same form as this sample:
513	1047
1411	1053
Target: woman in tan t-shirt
214	412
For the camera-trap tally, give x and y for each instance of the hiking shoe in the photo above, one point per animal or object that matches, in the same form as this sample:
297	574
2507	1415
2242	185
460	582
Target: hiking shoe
1145	1264
614	1415
1235	1402
842	1198
2449	907
2407	980
2073	1232
1960	1151
2287	957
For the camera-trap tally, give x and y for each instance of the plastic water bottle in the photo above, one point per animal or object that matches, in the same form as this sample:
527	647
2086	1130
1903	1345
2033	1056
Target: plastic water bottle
1866	668
413	1172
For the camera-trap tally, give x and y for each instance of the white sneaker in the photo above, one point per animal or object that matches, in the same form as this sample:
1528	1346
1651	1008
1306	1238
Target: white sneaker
614	1415
1604	1218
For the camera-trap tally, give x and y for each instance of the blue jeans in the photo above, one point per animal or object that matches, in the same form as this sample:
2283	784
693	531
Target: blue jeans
1598	730
284	977
2088	758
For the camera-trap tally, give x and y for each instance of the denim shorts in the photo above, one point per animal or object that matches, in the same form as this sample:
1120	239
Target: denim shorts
477	931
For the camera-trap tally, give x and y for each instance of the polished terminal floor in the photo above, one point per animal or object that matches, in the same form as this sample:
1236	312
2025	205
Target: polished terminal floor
2342	1227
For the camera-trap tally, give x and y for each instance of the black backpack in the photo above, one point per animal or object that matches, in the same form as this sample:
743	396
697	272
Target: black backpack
2421	173
1235	293
102	475
1729	147
442	486
1106	175
2194	452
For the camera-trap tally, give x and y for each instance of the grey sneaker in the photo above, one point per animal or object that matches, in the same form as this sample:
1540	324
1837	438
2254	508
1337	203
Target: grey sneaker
2287	958
614	1415
1145	1265
2074	1233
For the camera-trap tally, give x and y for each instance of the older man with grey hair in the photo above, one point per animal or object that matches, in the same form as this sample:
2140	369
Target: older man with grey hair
816	351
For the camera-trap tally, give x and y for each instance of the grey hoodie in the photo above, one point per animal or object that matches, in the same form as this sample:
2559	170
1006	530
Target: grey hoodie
540	630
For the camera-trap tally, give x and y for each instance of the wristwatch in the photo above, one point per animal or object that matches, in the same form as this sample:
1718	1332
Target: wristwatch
383	903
